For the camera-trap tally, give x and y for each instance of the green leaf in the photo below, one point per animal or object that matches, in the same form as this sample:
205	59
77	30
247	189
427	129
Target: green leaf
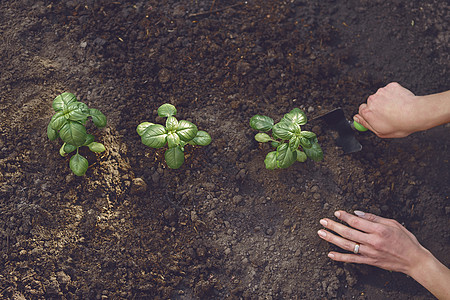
284	130
296	116
186	130
306	143
315	152
58	120
69	148
154	136
308	134
202	139
275	137
174	157
285	157
271	160
301	156
76	111
73	133
63	100
261	123
173	140
142	127
294	142
51	133
263	137
89	139
275	144
78	164
167	110
96	147
171	123
98	117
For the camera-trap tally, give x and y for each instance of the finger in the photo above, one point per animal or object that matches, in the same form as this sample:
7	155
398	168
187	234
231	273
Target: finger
356	222
370	99
345	231
393	85
360	119
389	222
338	241
362	107
373	218
380	91
351	258
363	113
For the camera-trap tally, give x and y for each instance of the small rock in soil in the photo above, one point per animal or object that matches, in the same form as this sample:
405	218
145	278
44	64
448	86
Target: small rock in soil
169	214
164	76
138	186
194	217
155	177
270	231
63	278
237	199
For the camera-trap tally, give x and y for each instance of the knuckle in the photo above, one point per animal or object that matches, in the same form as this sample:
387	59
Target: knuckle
384	232
396	223
349	245
393	85
354	222
377	243
370	217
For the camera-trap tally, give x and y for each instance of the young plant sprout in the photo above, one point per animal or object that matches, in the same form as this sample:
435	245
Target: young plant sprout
176	135
288	139
68	123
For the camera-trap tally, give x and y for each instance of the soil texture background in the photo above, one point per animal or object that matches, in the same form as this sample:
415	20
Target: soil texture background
221	226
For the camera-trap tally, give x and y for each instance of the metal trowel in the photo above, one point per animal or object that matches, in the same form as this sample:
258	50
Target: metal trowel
336	120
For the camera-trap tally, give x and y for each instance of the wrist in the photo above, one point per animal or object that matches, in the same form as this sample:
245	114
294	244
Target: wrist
421	260
431	274
433	110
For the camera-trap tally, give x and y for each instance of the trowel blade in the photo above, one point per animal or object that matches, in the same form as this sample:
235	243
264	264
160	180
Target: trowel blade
336	120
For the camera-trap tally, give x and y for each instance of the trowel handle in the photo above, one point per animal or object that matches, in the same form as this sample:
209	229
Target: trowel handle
359	127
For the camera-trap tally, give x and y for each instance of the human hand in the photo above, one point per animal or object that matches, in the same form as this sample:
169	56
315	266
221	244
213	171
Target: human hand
383	243
391	112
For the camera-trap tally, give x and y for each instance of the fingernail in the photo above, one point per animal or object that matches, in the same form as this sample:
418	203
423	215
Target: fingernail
356	119
322	233
359	213
323	222
330	255
337	214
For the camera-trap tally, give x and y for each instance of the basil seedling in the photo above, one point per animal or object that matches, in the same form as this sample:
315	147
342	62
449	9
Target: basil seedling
288	139
68	123
176	135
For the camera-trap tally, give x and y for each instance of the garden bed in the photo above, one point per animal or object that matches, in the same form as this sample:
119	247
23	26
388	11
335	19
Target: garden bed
221	226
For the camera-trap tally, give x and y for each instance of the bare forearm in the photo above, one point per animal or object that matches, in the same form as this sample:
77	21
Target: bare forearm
433	275
434	110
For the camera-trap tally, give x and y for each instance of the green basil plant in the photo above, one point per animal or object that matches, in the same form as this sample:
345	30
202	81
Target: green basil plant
288	138
68	123
176	135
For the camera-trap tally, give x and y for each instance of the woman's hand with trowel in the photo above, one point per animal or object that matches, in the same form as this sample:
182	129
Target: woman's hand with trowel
394	112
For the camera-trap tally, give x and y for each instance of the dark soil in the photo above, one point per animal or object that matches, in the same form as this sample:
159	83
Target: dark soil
221	226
